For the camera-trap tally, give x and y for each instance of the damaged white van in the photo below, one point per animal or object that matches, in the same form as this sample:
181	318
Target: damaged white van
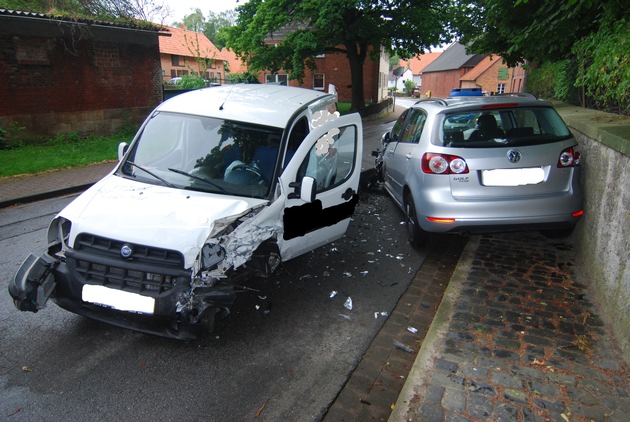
218	184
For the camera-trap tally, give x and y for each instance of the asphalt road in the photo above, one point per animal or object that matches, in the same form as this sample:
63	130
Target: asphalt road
284	353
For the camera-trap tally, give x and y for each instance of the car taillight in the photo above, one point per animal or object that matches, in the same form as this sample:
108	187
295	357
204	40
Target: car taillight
569	158
443	164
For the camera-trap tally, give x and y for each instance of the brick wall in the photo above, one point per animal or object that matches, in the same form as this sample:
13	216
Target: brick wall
336	69
440	83
58	83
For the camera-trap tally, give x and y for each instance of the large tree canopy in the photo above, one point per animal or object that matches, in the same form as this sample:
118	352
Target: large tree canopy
534	30
356	28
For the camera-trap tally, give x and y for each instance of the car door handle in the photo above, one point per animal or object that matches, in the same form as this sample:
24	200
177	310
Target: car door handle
348	194
391	151
408	156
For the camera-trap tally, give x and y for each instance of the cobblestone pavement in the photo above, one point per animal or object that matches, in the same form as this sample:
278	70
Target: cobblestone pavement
517	338
375	384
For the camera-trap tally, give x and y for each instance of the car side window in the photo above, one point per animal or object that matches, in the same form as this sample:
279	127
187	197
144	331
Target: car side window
331	160
414	128
398	126
298	133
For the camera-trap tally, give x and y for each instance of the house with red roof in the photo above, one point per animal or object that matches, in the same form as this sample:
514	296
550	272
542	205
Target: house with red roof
184	52
493	76
413	70
454	68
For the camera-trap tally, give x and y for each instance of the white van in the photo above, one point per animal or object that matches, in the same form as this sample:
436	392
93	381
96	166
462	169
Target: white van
218	184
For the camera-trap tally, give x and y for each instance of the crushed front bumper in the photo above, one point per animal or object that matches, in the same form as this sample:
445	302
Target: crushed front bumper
176	309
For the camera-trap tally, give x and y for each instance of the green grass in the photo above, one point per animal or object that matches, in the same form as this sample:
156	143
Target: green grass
344	108
61	152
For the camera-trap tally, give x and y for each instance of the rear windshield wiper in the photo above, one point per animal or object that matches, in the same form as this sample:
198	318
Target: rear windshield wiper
161	179
201	179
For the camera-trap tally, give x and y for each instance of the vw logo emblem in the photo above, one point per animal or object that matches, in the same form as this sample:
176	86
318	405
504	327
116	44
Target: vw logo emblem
126	251
514	156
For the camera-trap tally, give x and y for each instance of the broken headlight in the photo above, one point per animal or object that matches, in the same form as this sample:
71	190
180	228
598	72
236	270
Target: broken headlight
211	255
58	235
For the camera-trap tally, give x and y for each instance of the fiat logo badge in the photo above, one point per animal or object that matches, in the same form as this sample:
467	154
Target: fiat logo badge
514	156
126	251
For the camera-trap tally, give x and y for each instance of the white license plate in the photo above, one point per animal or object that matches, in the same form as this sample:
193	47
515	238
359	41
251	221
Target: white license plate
118	299
513	177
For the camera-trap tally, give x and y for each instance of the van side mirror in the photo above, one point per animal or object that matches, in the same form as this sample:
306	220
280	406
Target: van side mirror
385	139
122	150
304	190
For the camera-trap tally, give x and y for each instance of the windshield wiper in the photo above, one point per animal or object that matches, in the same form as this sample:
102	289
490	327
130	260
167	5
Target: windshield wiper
201	179
166	182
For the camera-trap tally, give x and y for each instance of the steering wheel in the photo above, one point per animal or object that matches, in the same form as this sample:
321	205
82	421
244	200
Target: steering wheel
239	173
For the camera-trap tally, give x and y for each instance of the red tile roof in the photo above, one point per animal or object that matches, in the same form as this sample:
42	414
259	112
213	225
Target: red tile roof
417	64
189	44
236	65
478	70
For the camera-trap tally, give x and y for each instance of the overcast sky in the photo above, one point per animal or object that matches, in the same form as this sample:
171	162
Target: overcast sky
182	8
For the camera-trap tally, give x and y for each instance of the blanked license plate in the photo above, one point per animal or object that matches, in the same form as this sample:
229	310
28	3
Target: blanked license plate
118	299
513	177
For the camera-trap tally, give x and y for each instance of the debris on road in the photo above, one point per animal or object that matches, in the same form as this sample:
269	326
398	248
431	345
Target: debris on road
402	347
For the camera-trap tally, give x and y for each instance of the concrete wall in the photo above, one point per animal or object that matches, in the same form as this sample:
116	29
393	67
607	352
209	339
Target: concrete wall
602	236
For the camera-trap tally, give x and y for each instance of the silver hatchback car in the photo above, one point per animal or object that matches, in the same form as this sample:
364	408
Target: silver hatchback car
473	164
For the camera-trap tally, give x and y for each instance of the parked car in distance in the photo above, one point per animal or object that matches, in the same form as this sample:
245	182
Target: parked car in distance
466	92
475	164
219	184
174	81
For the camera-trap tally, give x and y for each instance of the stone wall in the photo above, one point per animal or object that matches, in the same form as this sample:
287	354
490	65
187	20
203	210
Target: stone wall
602	237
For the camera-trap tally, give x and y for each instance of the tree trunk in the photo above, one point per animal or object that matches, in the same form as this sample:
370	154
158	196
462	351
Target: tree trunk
356	54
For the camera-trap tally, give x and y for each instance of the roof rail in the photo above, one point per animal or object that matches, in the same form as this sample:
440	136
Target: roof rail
437	100
517	94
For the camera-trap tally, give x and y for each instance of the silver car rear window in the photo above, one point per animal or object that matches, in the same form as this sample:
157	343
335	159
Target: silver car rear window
499	127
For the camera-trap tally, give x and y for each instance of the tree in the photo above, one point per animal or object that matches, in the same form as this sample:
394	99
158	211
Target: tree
356	28
147	10
533	30
194	22
579	49
216	25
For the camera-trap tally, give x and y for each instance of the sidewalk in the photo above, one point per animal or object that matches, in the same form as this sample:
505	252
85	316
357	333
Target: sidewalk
28	188
515	337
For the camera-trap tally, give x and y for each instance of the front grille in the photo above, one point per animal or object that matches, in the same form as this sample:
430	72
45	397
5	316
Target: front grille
150	271
103	246
124	279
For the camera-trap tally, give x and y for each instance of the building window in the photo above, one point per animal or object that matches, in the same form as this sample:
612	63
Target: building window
319	81
31	50
175	60
500	88
503	74
279	78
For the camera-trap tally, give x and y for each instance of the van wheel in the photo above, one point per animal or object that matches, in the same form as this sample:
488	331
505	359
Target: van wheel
417	237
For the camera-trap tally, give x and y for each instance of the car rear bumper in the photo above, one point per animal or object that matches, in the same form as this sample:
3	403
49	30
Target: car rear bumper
548	212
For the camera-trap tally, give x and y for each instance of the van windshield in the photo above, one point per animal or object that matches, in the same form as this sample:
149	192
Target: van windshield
495	128
205	154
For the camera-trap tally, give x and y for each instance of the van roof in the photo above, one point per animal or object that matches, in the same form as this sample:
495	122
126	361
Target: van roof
264	104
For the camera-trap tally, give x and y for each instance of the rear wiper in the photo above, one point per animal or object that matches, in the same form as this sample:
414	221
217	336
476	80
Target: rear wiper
166	182
201	179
